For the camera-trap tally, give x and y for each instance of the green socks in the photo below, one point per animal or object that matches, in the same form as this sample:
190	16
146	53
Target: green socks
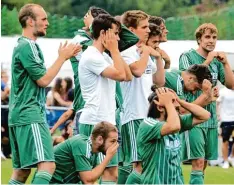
134	178
196	177
42	177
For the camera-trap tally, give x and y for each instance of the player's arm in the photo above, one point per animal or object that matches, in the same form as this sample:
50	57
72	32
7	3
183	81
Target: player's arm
89	177
138	67
166	98
199	114
159	76
65	116
228	74
165	57
116	72
65	52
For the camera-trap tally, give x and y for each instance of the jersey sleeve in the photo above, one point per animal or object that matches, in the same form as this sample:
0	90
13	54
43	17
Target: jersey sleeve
96	65
184	62
127	38
31	61
129	57
186	122
150	130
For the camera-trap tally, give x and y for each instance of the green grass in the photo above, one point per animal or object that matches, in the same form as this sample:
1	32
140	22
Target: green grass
214	175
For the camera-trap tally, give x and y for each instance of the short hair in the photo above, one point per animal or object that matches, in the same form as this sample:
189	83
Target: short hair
153	111
156	20
69	82
201	72
95	11
202	28
25	12
133	17
103	22
103	129
154	30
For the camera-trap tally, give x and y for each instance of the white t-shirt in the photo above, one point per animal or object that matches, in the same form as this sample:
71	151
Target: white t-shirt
136	92
98	92
226	99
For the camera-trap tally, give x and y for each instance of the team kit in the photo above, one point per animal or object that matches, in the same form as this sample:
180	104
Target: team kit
136	120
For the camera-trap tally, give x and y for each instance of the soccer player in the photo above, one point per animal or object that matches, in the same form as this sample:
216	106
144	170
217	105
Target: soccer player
194	78
97	74
76	157
84	37
159	21
158	138
136	92
31	142
201	143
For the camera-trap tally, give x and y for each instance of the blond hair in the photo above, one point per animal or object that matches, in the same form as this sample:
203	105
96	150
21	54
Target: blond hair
202	28
133	17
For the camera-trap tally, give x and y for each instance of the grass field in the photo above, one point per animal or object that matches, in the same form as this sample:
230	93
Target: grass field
214	175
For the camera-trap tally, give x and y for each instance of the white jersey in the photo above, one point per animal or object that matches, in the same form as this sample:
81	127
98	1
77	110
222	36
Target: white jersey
136	92
226	99
98	92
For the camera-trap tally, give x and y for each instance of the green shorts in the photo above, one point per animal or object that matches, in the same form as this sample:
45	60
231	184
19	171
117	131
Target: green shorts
129	145
87	129
200	143
30	144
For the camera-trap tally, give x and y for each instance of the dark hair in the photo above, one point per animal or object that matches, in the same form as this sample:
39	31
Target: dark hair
201	72
57	88
25	12
103	129
95	11
69	83
154	30
153	111
156	20
103	22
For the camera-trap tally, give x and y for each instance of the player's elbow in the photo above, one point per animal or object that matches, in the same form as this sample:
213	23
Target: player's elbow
42	83
137	73
88	180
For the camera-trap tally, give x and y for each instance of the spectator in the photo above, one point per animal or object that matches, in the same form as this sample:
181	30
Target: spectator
58	95
225	109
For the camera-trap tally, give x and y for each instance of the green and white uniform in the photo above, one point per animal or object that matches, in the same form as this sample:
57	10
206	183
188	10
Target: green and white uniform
207	144
175	82
161	154
135	104
30	139
71	157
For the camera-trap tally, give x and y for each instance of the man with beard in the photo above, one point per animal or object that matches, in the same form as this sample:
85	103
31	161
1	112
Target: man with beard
30	138
76	157
201	143
158	137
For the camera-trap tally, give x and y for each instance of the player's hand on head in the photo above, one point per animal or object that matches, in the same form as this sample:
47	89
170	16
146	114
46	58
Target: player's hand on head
67	51
110	40
111	151
206	86
165	97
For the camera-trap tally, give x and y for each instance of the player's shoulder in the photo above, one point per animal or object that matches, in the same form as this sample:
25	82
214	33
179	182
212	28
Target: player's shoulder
130	51
187	52
25	45
151	122
80	36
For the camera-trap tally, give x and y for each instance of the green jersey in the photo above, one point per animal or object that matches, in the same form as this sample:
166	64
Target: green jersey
216	68
72	156
27	99
161	154
175	82
85	40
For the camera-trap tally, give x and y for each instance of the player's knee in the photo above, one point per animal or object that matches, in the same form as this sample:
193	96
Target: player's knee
198	164
47	166
21	174
111	173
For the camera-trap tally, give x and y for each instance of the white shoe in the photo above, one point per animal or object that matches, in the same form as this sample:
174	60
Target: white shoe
231	161
225	165
3	158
